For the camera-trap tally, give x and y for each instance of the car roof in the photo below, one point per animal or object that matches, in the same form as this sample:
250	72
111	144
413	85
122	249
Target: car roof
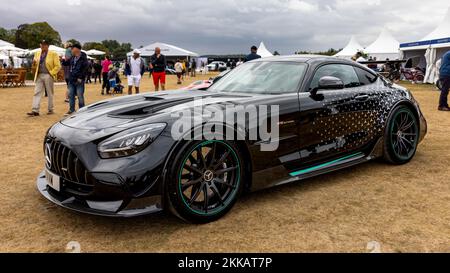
303	59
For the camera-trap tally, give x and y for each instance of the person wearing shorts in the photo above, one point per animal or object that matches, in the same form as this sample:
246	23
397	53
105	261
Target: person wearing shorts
179	70
134	70
158	64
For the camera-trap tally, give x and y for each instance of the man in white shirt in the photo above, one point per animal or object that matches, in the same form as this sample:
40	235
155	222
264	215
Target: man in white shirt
134	69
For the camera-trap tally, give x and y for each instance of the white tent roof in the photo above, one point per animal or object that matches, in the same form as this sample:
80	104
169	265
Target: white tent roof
3	57
263	52
94	52
350	49
61	51
5	43
385	44
166	49
12	50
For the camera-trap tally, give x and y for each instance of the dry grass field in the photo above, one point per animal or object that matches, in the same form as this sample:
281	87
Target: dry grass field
403	208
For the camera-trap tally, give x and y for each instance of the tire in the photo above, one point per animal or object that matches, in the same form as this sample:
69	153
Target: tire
419	78
401	136
203	189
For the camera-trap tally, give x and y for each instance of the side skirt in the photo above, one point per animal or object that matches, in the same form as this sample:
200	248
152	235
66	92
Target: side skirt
334	165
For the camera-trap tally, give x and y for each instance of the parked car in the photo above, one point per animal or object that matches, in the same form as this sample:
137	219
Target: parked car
217	66
119	157
204	84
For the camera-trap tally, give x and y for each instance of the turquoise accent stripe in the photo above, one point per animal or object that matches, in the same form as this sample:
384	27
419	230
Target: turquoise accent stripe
318	167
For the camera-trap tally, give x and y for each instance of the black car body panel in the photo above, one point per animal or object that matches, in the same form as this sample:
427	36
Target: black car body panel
319	132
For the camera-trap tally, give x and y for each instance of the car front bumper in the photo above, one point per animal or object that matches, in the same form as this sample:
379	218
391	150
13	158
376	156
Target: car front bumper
117	208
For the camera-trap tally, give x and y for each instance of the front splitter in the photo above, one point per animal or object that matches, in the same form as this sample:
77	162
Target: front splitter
110	209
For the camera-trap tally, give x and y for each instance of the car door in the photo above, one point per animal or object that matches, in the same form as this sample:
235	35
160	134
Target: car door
333	122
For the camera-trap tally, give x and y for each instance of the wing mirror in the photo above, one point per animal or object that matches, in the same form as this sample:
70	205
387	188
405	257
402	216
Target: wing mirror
328	83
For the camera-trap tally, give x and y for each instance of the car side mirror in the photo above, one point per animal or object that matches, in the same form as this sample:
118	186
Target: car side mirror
329	82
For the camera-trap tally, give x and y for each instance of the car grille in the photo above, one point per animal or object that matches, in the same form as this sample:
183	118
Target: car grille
65	163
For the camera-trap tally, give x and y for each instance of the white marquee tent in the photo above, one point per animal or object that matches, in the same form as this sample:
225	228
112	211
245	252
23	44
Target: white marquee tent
263	51
95	52
384	47
61	51
5	43
432	47
166	49
9	54
350	49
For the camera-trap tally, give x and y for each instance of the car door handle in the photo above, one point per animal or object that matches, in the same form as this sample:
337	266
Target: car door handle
362	97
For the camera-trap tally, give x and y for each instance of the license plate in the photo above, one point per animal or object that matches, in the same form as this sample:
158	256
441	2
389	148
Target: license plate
53	180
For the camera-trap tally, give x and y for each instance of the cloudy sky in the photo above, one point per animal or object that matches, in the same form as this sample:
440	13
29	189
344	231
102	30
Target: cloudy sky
231	26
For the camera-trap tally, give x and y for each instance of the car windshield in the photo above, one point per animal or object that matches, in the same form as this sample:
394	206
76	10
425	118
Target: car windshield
262	78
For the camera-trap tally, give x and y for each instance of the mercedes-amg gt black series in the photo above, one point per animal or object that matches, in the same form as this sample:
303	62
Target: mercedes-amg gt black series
119	157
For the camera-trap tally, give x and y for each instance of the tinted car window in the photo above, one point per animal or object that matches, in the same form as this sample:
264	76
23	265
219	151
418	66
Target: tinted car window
341	71
365	77
262	78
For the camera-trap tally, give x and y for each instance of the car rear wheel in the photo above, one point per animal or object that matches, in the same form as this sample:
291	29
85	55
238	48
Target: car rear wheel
204	181
402	136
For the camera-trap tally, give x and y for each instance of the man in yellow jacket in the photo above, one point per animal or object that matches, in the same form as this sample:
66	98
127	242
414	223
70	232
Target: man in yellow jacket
47	65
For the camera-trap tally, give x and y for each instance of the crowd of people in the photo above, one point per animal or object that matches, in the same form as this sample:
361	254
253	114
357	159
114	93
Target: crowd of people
79	71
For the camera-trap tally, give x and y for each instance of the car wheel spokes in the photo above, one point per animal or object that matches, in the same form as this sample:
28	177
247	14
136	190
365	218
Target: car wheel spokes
404	134
209	177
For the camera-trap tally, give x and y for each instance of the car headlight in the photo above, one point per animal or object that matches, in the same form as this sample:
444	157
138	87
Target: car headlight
131	141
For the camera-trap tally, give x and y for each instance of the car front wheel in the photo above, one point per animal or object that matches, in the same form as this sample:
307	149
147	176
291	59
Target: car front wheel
401	136
205	180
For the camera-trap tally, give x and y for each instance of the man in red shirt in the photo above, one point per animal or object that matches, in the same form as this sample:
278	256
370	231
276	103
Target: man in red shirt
158	64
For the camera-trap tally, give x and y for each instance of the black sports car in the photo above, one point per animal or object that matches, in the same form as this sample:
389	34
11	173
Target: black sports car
118	157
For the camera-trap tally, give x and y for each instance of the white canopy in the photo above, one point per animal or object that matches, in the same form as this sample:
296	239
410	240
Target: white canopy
385	47
12	50
3	57
166	49
95	52
263	52
350	49
5	43
61	51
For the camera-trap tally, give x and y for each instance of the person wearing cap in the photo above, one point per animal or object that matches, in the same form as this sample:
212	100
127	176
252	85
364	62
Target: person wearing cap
78	70
47	65
134	70
158	64
252	56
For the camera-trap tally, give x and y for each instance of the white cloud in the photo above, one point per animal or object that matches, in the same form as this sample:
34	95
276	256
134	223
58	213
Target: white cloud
303	6
231	26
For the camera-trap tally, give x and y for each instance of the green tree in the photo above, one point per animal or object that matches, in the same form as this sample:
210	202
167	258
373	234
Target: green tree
30	35
329	52
8	35
95	45
117	50
73	41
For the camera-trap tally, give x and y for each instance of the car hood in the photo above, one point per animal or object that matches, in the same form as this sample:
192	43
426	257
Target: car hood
125	112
